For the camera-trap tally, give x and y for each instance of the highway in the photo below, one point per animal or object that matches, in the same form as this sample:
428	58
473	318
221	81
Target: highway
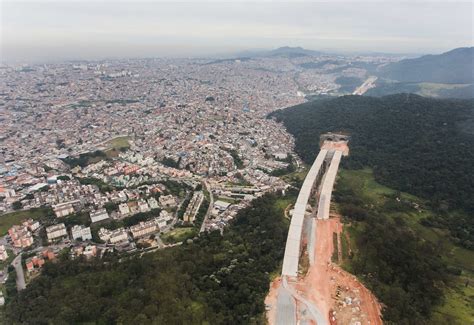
369	83
288	296
209	209
286	307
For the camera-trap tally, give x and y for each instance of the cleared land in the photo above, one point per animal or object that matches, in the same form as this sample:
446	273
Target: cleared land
14	218
116	145
179	234
331	288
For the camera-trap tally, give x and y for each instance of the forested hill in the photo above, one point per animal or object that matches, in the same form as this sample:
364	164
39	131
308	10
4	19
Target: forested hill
453	67
419	145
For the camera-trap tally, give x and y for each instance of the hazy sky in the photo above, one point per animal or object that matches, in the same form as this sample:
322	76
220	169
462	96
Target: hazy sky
40	30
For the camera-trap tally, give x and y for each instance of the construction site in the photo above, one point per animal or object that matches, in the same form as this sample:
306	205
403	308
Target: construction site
313	288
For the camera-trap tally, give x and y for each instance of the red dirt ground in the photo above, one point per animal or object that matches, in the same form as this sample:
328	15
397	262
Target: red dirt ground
336	145
336	293
324	279
271	300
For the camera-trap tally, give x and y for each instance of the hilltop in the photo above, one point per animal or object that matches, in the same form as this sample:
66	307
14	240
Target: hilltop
453	67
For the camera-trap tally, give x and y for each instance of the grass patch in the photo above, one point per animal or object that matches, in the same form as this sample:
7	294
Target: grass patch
335	251
296	178
117	145
429	89
179	234
15	218
228	200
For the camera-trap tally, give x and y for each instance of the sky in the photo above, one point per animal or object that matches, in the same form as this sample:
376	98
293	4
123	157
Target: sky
36	31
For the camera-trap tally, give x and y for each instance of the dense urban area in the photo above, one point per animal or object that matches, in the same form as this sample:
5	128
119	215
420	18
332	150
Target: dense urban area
142	154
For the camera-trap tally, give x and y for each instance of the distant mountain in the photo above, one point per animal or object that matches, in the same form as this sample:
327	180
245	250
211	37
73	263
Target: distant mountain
453	67
285	51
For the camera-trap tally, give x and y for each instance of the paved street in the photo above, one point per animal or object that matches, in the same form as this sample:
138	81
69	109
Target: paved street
20	276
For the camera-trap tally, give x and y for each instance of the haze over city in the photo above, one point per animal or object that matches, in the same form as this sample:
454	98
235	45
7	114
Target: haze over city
47	31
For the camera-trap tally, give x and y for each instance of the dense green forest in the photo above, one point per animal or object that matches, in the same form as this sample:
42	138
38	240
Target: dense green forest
418	276
391	259
213	280
414	144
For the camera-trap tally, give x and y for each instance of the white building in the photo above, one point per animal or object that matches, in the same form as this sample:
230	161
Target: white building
81	233
161	223
166	215
3	253
143	206
153	203
144	228
31	224
113	236
63	209
56	231
221	205
99	215
193	206
168	201
124	209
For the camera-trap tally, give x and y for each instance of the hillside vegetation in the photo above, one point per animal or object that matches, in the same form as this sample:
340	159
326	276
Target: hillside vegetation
453	67
437	292
414	144
404	233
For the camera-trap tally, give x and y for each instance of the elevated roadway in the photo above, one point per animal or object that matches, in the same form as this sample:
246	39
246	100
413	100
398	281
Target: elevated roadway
288	297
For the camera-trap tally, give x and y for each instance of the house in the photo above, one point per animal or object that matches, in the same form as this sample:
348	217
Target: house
34	263
90	251
31	224
56	232
49	254
21	236
133	206
99	215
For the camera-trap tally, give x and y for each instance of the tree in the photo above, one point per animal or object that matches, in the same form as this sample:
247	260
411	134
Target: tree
17	205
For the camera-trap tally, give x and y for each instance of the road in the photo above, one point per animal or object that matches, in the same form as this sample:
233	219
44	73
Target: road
286	308
20	276
209	209
369	83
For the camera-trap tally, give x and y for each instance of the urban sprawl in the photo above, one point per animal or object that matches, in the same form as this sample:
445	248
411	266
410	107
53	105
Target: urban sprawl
138	155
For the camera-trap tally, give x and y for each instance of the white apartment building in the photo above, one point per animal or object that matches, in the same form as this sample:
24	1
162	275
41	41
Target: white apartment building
56	231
